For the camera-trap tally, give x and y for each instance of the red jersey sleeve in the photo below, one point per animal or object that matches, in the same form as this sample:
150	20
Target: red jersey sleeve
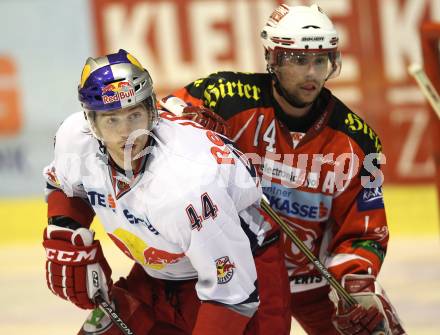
359	233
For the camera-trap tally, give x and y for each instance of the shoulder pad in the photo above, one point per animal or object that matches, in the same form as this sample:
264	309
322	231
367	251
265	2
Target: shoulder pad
230	92
348	122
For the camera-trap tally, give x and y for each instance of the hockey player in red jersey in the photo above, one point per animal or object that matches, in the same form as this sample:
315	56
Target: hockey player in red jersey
320	164
190	220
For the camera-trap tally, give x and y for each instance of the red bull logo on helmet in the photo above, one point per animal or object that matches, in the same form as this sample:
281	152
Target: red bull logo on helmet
225	269
117	91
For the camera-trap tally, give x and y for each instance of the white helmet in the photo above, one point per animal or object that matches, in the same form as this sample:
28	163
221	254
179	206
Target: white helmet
300	29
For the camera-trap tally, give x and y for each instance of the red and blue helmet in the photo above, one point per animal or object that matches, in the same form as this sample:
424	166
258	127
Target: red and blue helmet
114	81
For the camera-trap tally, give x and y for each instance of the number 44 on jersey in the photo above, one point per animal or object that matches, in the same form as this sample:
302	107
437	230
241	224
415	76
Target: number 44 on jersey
209	209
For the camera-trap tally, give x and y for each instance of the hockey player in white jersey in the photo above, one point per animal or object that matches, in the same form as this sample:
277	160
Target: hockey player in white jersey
174	198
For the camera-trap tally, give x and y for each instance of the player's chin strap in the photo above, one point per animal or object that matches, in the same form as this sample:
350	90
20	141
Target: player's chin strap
102	148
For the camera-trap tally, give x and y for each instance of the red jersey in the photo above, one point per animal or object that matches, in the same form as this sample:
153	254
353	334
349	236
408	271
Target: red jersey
314	177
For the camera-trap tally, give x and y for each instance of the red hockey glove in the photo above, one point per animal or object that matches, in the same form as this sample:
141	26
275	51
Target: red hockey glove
206	118
200	114
76	268
373	315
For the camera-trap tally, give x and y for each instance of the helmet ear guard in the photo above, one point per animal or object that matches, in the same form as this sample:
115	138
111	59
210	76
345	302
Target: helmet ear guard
336	62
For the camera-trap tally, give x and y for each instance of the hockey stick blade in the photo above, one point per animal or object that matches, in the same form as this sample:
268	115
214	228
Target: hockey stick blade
426	87
349	300
114	317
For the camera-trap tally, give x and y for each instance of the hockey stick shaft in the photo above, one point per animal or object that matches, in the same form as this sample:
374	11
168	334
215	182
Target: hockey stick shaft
426	87
310	256
114	317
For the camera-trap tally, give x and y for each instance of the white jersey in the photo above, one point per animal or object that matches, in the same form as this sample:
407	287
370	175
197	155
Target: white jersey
182	216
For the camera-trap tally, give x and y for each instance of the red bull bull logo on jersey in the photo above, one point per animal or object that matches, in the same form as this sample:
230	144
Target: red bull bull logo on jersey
137	249
118	91
52	177
225	269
